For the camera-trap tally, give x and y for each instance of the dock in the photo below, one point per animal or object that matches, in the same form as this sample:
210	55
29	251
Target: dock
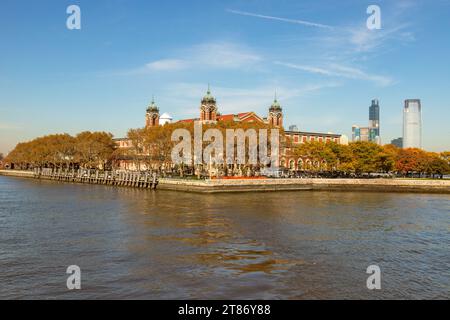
114	178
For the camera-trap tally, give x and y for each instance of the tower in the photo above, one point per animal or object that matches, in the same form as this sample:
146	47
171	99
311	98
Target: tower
374	122
152	115
412	124
275	117
208	108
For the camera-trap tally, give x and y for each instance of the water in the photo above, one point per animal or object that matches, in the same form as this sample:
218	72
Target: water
132	243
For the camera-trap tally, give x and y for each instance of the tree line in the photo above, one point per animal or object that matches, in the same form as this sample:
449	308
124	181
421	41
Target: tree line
152	147
86	150
368	157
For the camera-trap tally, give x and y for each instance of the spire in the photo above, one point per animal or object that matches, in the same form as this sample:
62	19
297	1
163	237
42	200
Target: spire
153	107
208	96
275	105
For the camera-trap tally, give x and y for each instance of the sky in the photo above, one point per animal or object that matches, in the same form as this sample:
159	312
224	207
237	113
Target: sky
319	56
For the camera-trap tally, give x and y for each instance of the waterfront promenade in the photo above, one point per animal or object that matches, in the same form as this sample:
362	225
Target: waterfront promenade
250	185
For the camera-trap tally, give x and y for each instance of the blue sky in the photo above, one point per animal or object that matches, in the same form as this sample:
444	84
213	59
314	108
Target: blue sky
319	56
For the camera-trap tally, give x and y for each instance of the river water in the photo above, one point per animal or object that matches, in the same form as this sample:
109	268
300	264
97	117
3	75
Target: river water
144	244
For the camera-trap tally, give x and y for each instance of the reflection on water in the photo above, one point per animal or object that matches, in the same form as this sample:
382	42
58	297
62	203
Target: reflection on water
132	243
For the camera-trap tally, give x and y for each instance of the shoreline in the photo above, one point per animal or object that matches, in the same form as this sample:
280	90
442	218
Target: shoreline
274	185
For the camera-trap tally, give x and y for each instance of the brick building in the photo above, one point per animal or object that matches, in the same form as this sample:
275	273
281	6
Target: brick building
209	113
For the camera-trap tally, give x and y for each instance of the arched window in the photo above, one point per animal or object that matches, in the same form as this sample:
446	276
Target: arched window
300	164
316	164
308	164
283	163
292	165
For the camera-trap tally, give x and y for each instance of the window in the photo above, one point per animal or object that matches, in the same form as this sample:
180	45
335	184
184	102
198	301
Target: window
292	165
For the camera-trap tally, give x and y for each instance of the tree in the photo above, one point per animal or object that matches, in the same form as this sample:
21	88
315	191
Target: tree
386	158
322	155
345	158
94	149
446	156
410	161
436	165
365	156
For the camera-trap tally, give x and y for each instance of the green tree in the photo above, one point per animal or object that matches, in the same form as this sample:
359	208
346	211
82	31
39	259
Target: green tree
366	156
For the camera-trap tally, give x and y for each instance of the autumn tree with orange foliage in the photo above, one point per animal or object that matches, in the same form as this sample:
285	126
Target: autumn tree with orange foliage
87	150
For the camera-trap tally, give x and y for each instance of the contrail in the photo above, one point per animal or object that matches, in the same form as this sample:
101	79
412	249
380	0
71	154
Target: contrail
306	23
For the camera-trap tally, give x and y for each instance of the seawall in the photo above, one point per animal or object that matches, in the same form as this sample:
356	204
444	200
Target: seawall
379	185
248	185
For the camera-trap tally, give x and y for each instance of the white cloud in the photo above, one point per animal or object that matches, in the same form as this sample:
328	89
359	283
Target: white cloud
232	100
365	40
167	65
217	55
295	21
223	55
336	70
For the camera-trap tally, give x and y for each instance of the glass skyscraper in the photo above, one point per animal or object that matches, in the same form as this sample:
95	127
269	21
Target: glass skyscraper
412	124
374	122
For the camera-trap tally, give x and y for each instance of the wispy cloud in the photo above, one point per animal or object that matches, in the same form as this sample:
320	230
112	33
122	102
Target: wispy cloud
365	40
336	70
233	100
216	55
295	21
224	55
167	65
9	126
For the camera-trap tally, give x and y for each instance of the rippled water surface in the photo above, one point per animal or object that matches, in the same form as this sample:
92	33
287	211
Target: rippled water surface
143	244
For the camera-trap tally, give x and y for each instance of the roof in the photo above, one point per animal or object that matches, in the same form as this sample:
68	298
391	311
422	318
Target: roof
188	120
165	116
303	133
231	117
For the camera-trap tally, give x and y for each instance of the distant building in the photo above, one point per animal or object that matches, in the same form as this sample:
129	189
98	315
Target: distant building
360	133
372	132
165	118
412	124
374	122
398	142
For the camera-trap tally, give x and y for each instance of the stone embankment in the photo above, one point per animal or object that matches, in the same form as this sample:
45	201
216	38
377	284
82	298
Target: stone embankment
251	185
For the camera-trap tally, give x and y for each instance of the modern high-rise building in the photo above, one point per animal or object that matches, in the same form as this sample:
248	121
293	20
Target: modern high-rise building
360	133
412	124
374	122
372	132
398	142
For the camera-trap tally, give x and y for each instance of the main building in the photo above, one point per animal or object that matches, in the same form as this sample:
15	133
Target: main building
209	113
